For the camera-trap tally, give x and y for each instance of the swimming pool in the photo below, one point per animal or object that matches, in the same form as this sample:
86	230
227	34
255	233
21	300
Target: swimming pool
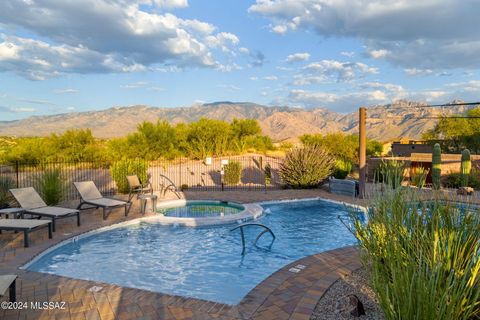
204	263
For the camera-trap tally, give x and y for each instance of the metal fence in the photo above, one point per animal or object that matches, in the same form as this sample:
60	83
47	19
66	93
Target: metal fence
198	175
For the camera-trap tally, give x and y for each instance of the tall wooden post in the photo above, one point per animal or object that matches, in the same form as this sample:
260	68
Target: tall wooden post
362	151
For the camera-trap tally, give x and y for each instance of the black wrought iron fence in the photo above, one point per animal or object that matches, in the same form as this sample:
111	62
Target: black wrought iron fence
199	175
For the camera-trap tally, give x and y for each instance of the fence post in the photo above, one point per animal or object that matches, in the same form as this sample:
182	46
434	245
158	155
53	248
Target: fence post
16	171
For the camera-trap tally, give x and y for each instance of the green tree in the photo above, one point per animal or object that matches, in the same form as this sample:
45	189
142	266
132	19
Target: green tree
455	134
208	137
152	141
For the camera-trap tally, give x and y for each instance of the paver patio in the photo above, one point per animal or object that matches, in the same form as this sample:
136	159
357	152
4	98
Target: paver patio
283	295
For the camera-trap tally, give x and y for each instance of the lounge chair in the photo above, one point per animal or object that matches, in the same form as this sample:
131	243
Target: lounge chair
25	225
31	202
90	195
8	282
135	187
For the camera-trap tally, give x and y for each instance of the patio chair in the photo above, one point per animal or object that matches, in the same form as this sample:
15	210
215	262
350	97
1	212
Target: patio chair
8	282
25	225
135	187
90	195
33	204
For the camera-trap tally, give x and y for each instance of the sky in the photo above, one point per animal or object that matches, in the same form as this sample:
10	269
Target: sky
60	56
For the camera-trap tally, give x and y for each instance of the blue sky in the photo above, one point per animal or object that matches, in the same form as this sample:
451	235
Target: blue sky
73	56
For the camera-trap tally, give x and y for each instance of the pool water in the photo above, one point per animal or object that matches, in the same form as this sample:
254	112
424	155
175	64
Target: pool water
204	263
194	209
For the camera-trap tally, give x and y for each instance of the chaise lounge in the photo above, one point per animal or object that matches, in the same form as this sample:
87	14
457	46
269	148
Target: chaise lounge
31	202
90	195
25	225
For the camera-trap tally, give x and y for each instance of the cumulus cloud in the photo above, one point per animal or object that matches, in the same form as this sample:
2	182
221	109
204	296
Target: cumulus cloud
326	70
105	36
305	56
418	72
400	31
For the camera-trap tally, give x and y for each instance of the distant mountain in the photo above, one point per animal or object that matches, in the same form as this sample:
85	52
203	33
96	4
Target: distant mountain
400	119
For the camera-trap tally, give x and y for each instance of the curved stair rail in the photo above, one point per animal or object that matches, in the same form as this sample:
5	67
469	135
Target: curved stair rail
171	186
267	229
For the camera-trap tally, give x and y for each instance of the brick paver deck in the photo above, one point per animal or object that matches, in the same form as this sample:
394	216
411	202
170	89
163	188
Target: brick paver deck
283	295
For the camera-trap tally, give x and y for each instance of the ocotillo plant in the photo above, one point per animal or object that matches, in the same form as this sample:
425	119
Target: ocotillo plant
436	166
465	168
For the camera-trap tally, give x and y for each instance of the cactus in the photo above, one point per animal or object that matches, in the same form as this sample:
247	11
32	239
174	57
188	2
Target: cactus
465	167
436	166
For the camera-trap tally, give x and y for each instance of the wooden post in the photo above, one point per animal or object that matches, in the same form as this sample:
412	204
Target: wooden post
362	151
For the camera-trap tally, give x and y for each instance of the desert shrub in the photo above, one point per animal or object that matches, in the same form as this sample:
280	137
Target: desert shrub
390	173
419	176
6	183
119	171
306	167
454	180
342	169
232	173
51	186
423	257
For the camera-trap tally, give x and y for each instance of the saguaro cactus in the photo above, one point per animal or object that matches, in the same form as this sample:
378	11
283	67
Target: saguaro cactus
436	166
465	167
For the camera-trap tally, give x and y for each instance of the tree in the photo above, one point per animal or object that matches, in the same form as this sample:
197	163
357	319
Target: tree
455	134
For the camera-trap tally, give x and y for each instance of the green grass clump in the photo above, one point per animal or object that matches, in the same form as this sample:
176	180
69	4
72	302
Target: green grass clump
232	173
6	183
306	167
51	186
423	257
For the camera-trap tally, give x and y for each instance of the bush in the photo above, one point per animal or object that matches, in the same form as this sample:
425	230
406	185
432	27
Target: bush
342	169
419	176
51	186
306	167
454	180
123	168
6	198
423	257
232	173
390	173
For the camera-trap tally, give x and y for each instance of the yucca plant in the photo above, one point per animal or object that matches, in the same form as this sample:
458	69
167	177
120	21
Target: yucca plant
306	167
419	176
423	257
51	186
390	173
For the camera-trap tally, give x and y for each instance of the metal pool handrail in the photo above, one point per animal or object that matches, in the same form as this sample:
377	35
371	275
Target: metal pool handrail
267	229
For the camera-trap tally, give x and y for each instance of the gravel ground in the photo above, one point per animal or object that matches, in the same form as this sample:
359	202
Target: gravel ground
333	305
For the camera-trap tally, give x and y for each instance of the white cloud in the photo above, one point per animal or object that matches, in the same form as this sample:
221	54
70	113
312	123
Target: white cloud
67	90
418	72
400	31
100	36
305	56
16	109
270	78
326	70
349	54
171	3
253	78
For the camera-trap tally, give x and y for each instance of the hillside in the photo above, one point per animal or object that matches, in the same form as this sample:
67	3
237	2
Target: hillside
401	119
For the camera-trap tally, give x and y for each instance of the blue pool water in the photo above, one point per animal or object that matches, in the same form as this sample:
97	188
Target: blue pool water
204	263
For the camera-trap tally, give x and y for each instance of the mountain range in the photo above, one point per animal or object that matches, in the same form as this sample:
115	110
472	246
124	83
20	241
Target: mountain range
401	119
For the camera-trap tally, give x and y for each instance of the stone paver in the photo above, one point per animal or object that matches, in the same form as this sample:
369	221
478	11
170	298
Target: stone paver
283	295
